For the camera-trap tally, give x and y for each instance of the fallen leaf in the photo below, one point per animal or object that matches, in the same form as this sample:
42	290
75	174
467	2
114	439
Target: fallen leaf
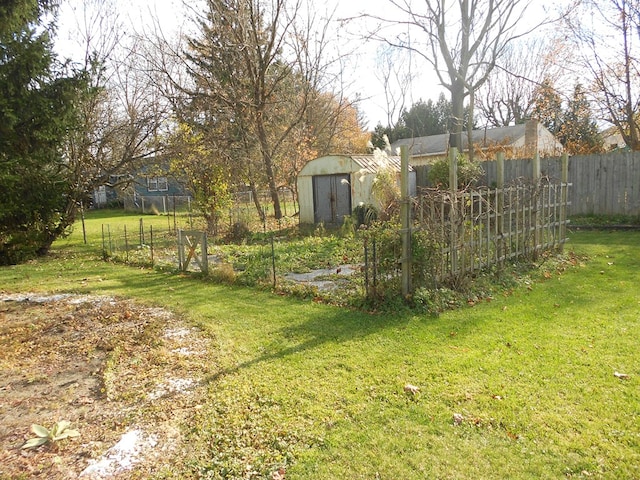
458	418
412	389
278	474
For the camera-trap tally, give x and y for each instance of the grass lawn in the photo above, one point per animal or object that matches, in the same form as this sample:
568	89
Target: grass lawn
522	386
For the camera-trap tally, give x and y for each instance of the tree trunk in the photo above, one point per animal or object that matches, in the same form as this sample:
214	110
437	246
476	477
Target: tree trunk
457	115
212	223
268	167
634	141
470	124
256	201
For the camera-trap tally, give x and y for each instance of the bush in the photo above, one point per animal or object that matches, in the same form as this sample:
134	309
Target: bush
468	173
365	214
239	231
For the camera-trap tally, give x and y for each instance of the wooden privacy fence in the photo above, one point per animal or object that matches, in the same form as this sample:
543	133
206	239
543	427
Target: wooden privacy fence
603	184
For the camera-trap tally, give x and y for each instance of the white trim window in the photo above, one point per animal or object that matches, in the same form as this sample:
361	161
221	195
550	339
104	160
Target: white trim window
157	184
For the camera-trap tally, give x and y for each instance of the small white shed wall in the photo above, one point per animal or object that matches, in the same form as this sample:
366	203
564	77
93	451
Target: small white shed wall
360	192
361	184
329	165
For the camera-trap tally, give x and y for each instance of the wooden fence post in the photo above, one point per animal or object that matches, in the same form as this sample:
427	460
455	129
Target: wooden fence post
500	208
453	216
405	214
564	194
535	220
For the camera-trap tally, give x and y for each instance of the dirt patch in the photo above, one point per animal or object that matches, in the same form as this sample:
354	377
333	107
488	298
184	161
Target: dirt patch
126	377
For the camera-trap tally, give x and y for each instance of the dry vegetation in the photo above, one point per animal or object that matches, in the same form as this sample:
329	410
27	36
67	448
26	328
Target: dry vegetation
107	366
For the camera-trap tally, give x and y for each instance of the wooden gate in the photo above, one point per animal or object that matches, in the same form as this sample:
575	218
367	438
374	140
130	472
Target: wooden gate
188	242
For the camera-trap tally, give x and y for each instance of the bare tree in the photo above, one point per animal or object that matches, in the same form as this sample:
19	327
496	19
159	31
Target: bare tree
256	66
120	115
461	40
607	51
395	74
509	94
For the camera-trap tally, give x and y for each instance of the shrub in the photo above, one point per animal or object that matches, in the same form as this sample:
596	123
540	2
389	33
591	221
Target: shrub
365	214
468	172
386	191
239	231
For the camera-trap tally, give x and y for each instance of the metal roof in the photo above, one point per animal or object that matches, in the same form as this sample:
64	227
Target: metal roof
374	163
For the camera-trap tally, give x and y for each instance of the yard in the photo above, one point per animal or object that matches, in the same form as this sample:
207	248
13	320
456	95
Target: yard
539	381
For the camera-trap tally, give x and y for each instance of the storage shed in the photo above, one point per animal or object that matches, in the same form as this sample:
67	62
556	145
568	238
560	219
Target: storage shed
330	187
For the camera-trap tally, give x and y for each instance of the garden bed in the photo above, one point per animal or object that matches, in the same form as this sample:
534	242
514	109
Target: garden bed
124	375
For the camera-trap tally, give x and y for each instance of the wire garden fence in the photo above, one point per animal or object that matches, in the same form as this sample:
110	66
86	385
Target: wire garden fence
145	245
453	234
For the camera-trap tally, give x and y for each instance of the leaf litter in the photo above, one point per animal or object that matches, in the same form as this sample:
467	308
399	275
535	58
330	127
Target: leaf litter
116	370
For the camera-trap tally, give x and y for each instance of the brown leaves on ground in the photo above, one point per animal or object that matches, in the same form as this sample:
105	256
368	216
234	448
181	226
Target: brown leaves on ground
104	365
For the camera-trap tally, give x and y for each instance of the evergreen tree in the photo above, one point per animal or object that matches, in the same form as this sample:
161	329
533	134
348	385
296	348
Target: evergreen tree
579	132
424	118
378	136
548	107
37	110
421	120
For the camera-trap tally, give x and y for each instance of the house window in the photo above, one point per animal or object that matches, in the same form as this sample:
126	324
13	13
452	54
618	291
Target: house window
157	184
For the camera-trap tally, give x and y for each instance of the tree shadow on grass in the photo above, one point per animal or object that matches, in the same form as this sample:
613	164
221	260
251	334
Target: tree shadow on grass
285	336
330	325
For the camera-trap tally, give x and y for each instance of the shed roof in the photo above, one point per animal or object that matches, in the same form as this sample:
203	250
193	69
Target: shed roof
374	163
366	164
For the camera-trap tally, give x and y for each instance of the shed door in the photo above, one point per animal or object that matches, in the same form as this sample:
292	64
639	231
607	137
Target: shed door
100	195
331	198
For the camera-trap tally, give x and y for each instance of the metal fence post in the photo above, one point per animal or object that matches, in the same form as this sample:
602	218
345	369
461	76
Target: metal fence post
126	245
180	251
205	257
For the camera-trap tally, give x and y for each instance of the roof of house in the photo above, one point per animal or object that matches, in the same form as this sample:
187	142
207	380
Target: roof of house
439	144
